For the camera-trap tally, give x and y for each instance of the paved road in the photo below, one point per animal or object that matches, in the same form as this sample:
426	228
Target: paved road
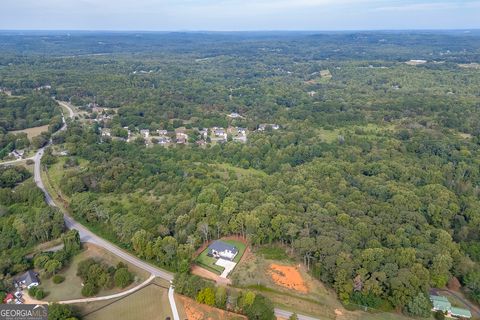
173	305
112	296
88	236
15	161
286	314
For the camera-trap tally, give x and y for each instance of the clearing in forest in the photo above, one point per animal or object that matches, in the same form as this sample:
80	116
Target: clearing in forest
32	132
288	277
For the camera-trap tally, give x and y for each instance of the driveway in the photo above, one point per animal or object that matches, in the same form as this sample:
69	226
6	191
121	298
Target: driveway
227	264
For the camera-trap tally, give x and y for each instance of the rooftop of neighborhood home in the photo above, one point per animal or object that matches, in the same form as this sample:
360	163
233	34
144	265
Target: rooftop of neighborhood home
27	278
220	246
441	303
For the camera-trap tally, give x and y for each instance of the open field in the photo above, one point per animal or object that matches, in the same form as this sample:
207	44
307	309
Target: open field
32	132
195	311
150	302
72	286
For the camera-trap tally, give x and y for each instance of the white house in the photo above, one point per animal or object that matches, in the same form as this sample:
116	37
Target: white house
220	249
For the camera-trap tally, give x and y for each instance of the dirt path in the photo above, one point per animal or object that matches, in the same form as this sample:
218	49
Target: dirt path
199	271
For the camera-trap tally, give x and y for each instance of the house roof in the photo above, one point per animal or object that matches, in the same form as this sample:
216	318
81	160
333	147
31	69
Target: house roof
221	246
8	297
438	298
441	305
459	312
28	277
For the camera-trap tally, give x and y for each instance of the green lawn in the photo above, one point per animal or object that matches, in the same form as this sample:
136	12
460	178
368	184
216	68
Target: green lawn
204	261
72	286
150	302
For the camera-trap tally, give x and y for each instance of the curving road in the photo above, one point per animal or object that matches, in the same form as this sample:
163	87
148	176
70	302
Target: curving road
88	236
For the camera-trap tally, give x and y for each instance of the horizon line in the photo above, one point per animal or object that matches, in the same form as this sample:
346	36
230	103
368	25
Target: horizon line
238	31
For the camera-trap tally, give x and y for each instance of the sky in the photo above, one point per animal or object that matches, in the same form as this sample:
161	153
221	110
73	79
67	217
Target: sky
238	15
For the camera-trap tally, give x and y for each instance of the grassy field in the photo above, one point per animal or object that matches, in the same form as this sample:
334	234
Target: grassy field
32	132
204	261
72	286
150	302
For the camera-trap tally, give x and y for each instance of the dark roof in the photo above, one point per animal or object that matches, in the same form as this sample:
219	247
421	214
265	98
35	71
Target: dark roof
28	277
220	246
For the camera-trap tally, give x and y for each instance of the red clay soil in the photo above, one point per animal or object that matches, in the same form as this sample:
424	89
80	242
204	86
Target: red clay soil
197	311
287	276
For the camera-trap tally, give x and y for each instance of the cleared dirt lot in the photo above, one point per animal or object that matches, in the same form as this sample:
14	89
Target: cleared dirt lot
196	311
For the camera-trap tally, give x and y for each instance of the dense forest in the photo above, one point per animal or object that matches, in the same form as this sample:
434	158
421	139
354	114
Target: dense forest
372	181
25	221
17	113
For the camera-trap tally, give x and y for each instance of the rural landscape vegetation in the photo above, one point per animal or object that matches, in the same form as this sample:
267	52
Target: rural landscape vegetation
256	175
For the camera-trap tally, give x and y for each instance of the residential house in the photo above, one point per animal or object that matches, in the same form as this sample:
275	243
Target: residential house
219	249
241	131
240	139
145	133
18	154
27	280
441	303
219	132
265	126
164	140
234	115
181	137
162	132
106	132
203	133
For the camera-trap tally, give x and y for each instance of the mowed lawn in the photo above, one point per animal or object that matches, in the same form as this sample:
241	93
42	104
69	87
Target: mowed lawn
204	261
150	302
71	288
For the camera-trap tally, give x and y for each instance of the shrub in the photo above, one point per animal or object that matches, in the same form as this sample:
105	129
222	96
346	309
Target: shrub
58	279
123	277
89	289
32	291
40	294
439	315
